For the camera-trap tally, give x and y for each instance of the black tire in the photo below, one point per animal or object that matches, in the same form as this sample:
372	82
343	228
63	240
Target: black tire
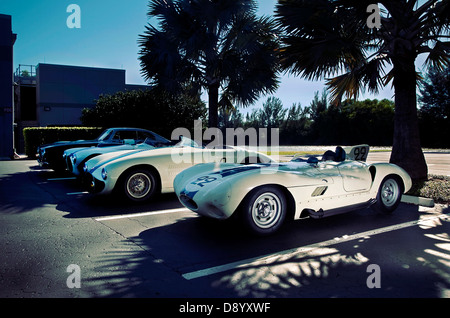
389	194
263	211
139	185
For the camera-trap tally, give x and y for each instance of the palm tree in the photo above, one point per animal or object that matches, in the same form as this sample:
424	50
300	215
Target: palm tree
217	45
332	39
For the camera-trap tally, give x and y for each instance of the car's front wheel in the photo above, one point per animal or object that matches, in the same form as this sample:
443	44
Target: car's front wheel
389	195
139	185
264	210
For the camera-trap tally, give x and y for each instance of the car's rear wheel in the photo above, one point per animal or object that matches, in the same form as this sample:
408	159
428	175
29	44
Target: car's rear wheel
264	210
389	195
139	185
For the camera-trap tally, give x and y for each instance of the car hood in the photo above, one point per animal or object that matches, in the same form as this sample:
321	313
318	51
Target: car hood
86	151
74	144
102	159
70	151
291	173
230	169
116	156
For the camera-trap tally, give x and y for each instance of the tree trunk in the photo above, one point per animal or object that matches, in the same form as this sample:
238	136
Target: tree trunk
406	150
213	105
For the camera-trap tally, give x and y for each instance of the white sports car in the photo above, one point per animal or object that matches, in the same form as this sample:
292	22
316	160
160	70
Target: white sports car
265	195
76	157
140	174
138	139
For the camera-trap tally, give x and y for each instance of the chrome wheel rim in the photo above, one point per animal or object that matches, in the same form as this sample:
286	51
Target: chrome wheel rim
390	192
139	185
266	210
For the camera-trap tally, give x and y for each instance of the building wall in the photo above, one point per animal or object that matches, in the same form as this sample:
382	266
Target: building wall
62	91
55	95
7	39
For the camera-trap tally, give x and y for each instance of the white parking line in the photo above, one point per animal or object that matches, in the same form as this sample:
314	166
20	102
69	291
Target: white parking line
135	215
266	259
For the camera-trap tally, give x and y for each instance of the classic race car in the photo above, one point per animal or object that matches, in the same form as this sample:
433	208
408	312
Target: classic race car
265	195
51	155
141	174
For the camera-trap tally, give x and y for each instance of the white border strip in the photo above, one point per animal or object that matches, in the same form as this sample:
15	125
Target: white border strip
265	259
135	215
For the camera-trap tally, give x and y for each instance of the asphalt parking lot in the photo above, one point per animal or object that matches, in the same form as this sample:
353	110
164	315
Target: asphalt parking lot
160	249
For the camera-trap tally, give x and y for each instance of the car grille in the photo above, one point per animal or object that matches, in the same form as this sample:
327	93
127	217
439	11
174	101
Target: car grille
69	163
188	202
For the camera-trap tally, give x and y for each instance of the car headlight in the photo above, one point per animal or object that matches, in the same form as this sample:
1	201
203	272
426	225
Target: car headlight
74	158
104	174
85	168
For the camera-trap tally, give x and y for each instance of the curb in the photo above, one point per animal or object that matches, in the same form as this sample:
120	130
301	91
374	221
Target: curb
417	201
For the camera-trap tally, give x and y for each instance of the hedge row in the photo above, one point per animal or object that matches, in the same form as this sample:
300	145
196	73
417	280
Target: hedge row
36	136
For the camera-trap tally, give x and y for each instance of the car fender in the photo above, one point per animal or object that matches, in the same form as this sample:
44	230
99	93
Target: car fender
381	170
159	160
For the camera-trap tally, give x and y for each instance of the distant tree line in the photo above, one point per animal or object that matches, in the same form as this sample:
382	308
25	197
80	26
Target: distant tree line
368	121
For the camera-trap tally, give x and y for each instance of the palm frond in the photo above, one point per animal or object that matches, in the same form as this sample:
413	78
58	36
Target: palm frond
439	56
350	84
323	38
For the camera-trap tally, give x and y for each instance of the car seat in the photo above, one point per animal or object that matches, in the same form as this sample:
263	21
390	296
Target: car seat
328	155
340	154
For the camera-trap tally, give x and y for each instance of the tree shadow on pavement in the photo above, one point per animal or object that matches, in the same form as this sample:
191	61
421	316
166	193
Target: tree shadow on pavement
414	262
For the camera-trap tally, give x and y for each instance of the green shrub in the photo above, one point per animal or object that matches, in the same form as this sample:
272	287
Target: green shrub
436	188
153	109
37	136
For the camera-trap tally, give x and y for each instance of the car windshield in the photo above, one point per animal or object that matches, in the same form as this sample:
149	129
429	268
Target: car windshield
105	135
149	141
187	142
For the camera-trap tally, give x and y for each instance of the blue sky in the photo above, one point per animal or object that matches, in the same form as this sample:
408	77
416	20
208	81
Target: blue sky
108	38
